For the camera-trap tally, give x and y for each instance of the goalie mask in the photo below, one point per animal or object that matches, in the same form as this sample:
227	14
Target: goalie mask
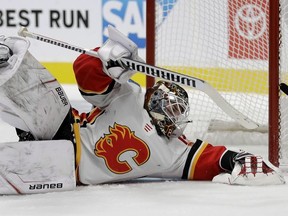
168	106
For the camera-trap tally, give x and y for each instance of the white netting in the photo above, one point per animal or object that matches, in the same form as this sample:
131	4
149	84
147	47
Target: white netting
224	42
283	78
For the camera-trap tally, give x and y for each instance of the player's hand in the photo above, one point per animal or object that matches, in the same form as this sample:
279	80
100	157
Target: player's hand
113	51
115	48
110	54
251	170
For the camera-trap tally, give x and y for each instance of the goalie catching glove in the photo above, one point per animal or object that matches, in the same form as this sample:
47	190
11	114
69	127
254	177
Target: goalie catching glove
251	170
115	48
5	54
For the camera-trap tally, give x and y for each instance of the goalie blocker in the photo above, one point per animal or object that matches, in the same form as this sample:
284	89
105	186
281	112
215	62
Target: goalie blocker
37	167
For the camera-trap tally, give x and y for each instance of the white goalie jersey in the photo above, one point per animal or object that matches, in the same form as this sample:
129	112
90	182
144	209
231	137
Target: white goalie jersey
118	142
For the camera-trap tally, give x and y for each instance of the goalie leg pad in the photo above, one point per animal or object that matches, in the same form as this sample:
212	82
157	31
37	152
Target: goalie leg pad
32	98
37	167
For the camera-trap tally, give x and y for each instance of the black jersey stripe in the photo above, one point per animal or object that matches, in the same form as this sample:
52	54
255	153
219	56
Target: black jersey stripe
191	154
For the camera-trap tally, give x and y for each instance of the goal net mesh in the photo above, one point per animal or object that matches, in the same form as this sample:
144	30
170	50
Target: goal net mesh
226	43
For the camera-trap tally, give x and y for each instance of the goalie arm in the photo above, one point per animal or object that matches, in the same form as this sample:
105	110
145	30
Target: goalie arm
97	83
98	78
203	161
90	76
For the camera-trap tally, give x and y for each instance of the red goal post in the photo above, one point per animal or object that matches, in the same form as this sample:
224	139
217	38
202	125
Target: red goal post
237	46
150	38
273	70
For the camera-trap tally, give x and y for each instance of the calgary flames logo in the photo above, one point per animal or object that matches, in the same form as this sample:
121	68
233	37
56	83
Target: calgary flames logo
120	140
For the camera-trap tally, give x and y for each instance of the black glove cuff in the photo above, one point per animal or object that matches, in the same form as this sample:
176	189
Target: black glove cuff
227	161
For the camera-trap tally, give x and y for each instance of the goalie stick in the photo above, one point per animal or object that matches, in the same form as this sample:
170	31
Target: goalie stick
284	88
158	72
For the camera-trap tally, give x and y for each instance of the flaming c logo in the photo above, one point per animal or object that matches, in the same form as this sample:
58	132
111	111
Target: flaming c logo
120	140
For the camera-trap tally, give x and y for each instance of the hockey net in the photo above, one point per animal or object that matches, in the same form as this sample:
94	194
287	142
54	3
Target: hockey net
226	43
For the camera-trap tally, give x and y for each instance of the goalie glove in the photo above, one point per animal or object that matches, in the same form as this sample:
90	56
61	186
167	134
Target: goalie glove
251	170
110	54
12	52
115	48
5	54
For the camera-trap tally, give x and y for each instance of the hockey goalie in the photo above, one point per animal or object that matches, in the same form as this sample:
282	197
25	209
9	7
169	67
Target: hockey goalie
127	134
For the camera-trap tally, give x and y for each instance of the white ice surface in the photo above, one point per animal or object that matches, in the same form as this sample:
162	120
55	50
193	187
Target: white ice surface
147	196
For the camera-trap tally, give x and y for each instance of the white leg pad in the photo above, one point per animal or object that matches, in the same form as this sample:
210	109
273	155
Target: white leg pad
37	167
32	98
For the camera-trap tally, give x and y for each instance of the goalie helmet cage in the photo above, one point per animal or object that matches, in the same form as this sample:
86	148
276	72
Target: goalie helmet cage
239	47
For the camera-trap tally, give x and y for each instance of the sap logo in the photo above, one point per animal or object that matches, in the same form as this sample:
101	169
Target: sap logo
129	17
166	6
